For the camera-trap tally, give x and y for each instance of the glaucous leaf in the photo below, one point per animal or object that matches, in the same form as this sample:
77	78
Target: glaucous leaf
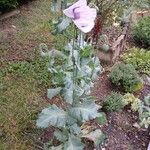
53	92
78	91
147	100
68	96
60	147
96	68
73	143
68	89
53	53
52	116
63	25
85	111
60	136
75	129
56	6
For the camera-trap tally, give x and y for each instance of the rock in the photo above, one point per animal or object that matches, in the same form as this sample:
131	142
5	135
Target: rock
14	26
136	125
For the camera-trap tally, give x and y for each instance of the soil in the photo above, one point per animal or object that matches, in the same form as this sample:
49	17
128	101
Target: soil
121	133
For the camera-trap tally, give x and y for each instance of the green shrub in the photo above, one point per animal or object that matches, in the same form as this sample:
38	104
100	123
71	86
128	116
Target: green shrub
141	32
125	75
7	4
113	102
139	58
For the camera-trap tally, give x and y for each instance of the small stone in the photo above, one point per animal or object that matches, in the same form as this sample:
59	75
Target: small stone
136	125
136	136
14	26
129	110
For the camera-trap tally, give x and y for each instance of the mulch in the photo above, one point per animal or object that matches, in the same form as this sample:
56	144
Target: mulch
121	134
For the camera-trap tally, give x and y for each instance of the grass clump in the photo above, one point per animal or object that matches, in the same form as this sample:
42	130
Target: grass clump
139	58
141	32
125	75
113	102
36	69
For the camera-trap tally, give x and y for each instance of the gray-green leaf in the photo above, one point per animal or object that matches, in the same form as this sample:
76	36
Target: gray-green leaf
53	92
56	6
73	143
68	90
52	116
60	136
60	147
75	129
63	25
85	111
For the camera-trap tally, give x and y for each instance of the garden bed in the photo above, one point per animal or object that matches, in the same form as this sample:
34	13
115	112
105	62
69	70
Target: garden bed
19	39
122	135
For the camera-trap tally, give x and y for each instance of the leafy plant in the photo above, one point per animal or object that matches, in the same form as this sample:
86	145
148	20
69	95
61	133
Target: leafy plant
141	32
130	99
57	5
125	75
72	78
102	119
147	100
139	58
143	108
74	85
10	4
144	112
112	10
113	102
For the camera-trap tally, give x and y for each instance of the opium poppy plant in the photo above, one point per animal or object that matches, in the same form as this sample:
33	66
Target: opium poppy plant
73	79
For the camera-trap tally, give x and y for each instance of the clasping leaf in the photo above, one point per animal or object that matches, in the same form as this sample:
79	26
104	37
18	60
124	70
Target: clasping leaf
85	111
53	92
52	116
74	143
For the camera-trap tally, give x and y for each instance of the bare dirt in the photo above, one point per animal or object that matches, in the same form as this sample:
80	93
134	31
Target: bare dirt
122	135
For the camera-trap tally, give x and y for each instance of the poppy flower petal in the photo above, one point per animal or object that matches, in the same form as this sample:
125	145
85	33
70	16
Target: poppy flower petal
69	11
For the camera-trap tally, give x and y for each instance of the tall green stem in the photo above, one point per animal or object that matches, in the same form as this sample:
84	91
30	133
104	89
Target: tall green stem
74	65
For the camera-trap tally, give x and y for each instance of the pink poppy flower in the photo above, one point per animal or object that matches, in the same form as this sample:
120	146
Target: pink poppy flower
82	15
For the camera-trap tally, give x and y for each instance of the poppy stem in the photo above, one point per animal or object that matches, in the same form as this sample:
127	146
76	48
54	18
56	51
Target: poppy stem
73	60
